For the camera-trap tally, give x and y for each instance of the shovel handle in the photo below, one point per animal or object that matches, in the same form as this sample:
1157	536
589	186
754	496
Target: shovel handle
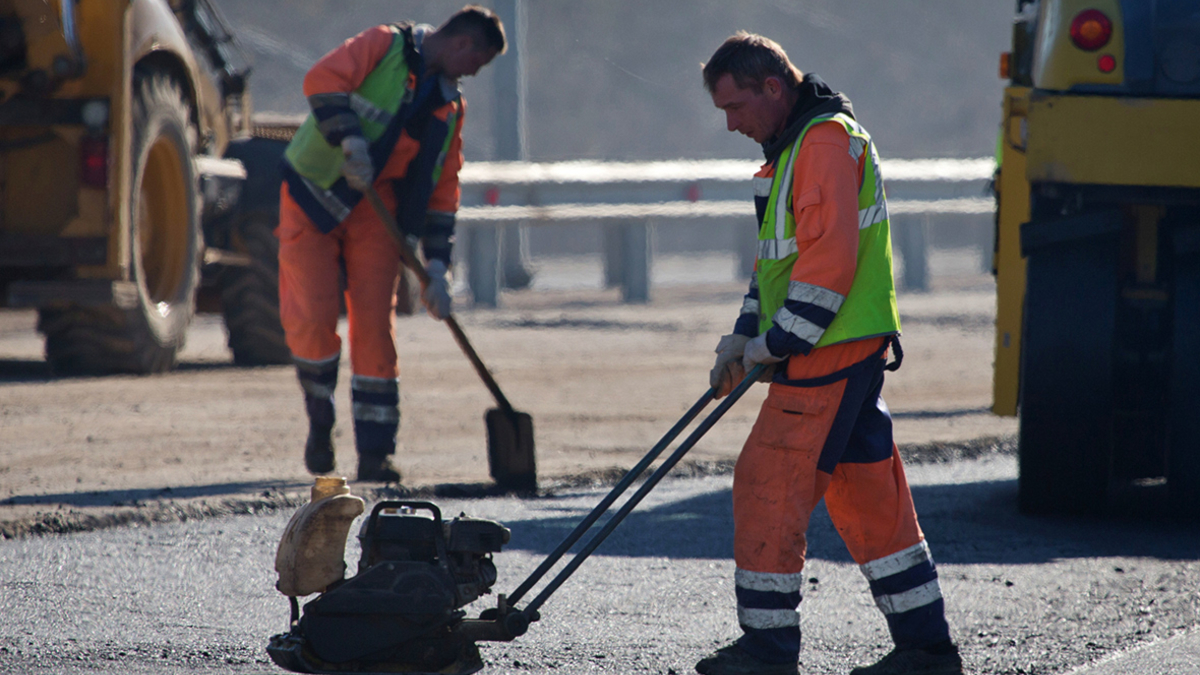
410	260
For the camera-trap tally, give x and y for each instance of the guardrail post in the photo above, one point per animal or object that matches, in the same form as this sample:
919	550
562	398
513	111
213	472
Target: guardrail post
509	131
516	272
614	256
746	246
483	264
637	249
987	246
910	236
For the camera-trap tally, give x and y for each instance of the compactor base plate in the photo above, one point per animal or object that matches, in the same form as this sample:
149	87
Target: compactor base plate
288	651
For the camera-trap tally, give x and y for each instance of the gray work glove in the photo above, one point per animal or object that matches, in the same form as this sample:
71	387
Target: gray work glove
358	169
756	353
727	372
436	294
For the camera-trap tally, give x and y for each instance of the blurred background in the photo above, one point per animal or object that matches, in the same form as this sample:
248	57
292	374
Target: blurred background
619	80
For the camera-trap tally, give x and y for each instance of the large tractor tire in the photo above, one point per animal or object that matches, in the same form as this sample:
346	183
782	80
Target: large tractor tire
146	333
1066	435
250	294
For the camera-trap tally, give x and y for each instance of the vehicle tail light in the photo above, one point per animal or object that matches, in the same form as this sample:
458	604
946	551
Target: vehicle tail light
93	165
1091	29
1005	64
1106	63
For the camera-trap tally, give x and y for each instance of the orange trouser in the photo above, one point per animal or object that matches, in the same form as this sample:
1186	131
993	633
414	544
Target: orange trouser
795	456
309	293
832	441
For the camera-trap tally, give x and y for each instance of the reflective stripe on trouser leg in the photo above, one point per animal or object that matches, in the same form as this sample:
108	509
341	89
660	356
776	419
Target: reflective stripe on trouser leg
376	403
776	485
871	506
906	590
318	379
767	607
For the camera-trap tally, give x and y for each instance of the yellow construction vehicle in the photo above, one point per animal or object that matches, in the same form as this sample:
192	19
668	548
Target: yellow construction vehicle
121	189
1098	254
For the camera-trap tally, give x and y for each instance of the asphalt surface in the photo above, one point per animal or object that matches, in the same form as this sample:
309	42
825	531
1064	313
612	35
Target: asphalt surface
1024	595
601	379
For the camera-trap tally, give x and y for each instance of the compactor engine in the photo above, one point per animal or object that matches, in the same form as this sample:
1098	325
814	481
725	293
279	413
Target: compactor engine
402	608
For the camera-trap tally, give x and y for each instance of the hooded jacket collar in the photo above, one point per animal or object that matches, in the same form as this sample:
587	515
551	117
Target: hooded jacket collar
815	98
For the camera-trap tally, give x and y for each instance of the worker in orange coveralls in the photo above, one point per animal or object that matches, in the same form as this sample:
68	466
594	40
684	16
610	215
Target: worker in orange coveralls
386	112
821	313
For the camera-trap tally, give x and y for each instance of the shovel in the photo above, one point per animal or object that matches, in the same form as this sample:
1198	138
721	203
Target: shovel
511	460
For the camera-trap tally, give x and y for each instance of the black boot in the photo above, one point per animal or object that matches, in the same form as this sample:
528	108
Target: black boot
733	660
318	380
318	449
378	469
376	423
940	659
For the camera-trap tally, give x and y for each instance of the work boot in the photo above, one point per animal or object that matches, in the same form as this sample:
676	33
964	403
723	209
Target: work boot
733	660
377	468
318	449
940	659
317	380
376	421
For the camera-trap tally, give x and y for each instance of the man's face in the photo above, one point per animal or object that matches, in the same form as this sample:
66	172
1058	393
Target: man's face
759	115
465	58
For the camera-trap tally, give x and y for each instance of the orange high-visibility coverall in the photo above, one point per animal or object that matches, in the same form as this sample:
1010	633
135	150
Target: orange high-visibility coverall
309	261
831	441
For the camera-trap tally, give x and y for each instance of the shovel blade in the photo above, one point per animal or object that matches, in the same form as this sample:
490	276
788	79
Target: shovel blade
511	459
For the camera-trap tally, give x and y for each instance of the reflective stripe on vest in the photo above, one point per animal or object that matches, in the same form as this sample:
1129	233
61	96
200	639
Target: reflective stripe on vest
384	104
870	308
376	101
368	111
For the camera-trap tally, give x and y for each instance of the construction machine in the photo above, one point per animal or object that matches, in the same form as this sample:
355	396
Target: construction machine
405	611
131	186
1098	254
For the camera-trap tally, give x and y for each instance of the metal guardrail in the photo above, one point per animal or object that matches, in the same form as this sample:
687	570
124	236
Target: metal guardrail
631	195
683	209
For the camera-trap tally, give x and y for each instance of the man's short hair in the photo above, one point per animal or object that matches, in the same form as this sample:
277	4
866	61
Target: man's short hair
480	23
750	59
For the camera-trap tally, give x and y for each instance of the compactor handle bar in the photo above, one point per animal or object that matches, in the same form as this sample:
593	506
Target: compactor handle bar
668	464
619	489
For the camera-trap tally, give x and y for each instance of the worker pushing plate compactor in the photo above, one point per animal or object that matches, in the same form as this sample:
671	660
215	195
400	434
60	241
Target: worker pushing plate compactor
403	611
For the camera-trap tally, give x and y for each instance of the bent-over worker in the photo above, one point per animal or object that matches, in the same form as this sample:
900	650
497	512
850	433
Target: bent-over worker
386	112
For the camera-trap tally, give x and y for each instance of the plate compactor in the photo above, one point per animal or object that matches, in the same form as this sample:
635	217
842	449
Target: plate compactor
403	612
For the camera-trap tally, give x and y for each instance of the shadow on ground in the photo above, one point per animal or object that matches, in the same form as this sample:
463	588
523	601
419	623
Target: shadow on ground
967	523
141	496
20	371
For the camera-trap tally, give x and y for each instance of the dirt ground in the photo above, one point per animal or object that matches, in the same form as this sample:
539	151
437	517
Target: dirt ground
602	380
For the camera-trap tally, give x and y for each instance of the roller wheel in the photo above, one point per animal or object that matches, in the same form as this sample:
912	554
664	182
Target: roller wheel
1183	454
1066	434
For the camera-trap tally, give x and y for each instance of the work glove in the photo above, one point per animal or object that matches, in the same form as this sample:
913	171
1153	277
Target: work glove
358	169
756	352
727	372
436	294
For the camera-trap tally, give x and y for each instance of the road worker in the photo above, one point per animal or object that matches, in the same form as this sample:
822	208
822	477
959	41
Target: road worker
386	112
821	314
